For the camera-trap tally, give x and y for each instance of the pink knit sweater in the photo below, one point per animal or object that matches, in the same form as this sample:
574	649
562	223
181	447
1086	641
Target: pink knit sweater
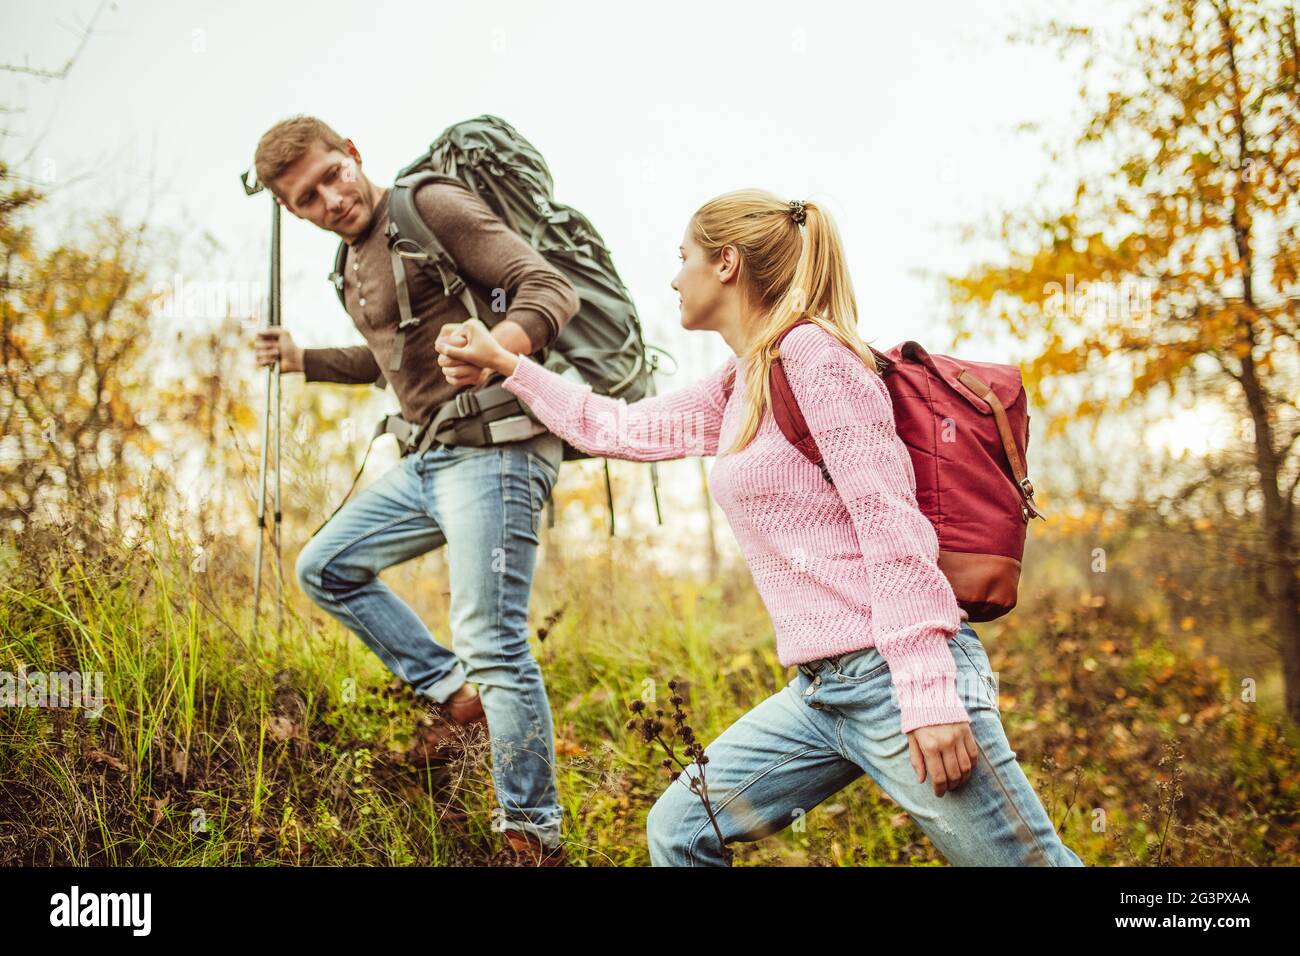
839	568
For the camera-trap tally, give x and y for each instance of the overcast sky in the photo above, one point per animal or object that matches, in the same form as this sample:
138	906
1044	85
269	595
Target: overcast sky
901	116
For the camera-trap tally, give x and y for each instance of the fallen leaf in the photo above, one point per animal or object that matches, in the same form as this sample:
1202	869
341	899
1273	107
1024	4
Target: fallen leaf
99	757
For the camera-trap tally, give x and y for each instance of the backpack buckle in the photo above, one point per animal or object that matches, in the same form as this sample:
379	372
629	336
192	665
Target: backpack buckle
1028	508
466	405
455	286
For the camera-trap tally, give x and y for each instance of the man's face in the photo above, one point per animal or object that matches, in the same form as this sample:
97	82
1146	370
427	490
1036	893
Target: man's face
325	187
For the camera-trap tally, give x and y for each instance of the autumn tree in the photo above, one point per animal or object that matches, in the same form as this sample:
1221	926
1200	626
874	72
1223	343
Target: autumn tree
1177	259
73	323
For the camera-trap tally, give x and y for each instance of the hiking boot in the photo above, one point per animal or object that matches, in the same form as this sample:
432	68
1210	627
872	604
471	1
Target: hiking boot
465	712
445	730
435	743
524	849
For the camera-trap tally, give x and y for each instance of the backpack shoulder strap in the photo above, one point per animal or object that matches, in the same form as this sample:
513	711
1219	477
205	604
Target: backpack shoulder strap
409	237
785	409
336	277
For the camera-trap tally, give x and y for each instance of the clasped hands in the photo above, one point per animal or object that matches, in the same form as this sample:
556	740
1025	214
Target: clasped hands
469	354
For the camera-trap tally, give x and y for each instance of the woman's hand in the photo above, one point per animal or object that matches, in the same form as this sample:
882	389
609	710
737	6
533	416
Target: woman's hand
468	353
947	751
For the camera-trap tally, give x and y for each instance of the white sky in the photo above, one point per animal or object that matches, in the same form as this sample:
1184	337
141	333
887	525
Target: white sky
901	116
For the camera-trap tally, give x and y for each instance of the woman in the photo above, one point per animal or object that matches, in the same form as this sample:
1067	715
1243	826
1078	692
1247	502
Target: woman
847	571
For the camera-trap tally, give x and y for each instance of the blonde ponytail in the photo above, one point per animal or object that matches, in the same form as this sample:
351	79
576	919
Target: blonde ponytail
791	272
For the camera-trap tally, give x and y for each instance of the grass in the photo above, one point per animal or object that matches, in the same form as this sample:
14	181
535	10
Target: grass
215	748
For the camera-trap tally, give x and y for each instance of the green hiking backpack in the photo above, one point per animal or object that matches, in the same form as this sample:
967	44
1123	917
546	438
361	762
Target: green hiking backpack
601	345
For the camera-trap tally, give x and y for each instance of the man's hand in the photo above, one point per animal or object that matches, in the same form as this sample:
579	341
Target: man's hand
947	751
469	353
277	344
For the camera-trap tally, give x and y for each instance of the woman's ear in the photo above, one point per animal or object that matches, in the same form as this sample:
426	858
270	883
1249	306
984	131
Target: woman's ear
728	264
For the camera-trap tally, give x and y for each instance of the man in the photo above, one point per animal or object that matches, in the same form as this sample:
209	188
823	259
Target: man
482	503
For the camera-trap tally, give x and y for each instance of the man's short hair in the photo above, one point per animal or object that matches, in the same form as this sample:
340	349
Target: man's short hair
284	143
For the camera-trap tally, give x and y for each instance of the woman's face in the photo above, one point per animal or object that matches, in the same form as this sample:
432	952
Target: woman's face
704	284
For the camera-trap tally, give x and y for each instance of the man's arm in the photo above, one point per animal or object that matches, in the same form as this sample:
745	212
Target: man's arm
512	336
354	365
539	300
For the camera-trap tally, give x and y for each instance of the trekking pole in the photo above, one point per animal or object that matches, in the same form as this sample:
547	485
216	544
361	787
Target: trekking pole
272	394
275	322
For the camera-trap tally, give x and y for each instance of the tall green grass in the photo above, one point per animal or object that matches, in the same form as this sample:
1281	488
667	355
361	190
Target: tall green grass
219	747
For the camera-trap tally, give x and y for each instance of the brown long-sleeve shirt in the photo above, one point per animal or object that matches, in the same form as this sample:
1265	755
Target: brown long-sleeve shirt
496	264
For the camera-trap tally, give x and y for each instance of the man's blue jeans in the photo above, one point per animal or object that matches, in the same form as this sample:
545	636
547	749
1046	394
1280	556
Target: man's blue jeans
485	505
836	719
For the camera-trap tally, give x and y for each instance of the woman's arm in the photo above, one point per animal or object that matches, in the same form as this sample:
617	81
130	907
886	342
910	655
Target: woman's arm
913	609
680	424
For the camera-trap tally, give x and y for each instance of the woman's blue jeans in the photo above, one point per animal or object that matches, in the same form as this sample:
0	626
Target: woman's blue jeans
485	505
835	720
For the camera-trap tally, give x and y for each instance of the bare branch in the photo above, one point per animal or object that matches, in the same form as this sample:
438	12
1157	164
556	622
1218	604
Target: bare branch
67	67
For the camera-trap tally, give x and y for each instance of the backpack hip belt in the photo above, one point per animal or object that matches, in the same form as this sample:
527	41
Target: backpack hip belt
487	416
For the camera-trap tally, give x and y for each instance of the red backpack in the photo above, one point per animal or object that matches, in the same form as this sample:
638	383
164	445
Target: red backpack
974	488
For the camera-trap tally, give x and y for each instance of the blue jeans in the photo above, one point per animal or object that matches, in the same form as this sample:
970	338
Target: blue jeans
485	505
837	718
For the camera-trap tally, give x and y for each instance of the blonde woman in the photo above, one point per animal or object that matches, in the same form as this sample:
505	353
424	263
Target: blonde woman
892	680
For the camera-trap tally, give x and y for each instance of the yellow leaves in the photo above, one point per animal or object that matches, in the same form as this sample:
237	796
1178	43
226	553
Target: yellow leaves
242	416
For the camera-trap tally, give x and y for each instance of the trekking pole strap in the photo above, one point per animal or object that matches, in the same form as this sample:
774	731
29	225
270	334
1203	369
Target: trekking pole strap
364	459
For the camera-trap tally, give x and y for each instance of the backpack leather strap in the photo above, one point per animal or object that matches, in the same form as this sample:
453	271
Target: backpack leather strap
1023	484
